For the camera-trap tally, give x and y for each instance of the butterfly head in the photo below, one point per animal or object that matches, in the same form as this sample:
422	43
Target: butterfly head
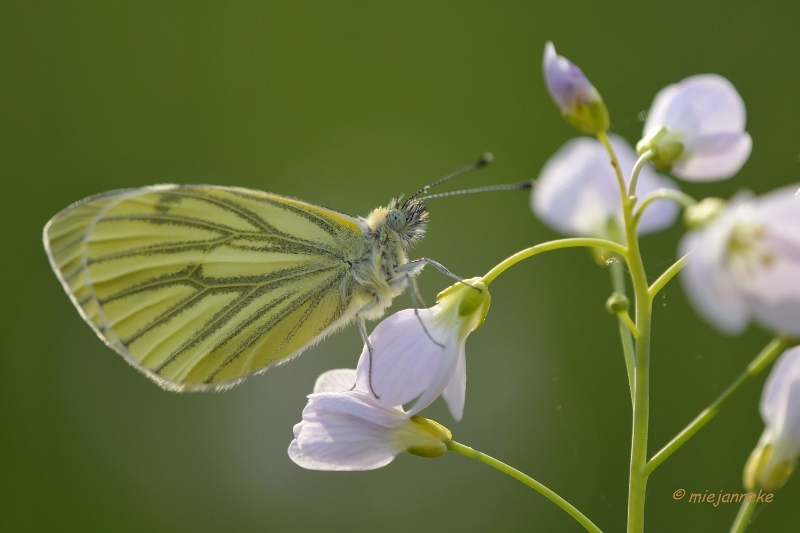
407	219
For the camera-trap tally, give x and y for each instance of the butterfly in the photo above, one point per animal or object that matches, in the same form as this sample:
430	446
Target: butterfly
200	286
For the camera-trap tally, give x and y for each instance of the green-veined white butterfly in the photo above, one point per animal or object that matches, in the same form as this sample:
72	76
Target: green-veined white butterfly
199	286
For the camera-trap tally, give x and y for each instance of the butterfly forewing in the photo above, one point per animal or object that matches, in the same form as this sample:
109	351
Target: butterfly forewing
199	286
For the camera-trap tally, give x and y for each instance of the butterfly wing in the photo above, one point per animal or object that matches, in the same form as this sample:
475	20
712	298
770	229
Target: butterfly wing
199	286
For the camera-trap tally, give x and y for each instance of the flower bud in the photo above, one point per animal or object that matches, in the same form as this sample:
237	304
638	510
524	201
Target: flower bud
761	471
574	94
617	303
703	212
773	461
667	147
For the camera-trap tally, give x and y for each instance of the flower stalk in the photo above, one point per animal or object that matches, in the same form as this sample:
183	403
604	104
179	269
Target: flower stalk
529	481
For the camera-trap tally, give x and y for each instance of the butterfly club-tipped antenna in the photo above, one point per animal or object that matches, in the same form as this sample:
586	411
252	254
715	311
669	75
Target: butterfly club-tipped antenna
519	186
485	159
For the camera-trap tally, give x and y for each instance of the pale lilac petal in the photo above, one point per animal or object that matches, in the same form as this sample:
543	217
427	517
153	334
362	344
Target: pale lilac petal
336	380
780	405
455	392
711	290
785	372
352	403
657	115
406	363
706	115
714	156
565	81
345	431
699	105
777	305
577	191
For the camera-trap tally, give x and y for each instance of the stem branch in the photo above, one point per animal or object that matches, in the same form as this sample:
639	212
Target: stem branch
553	245
764	358
668	274
637	168
743	516
532	483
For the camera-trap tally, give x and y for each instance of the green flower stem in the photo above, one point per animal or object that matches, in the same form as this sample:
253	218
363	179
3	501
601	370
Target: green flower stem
618	283
637	168
615	163
532	483
680	197
761	361
626	319
552	245
743	516
637	484
668	274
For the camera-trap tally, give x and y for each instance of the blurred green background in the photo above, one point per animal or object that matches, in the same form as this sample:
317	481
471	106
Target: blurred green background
346	105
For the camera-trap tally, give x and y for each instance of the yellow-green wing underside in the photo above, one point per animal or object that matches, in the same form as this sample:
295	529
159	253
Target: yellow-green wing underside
199	286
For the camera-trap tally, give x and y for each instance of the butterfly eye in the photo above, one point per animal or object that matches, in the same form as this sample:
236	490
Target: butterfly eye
397	219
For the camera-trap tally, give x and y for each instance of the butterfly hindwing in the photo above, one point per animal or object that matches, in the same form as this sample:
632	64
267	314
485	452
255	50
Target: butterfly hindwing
199	286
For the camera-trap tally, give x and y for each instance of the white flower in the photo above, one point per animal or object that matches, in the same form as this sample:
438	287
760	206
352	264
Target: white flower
577	192
696	128
350	431
409	363
745	264
574	94
773	460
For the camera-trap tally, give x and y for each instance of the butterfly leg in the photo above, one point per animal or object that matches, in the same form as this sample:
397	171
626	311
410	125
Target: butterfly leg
362	328
416	264
414	293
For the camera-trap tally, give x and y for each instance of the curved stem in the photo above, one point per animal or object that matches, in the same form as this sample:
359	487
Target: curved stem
743	516
761	361
532	483
668	274
637	168
676	196
552	245
615	163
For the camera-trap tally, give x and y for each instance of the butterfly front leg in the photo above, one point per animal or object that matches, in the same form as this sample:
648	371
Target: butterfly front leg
415	266
362	328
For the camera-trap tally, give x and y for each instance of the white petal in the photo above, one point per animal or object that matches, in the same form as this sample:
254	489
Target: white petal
710	288
336	380
406	363
455	392
774	285
352	403
657	115
577	191
699	105
780	403
708	116
785	371
714	156
345	431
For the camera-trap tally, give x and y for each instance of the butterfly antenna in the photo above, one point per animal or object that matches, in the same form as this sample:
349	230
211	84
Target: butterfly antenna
485	159
522	185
